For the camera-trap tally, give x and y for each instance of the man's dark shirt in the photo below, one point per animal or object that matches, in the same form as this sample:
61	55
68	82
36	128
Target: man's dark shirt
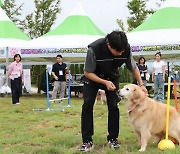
59	70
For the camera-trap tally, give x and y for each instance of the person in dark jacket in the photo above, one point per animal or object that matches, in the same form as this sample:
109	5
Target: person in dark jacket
104	56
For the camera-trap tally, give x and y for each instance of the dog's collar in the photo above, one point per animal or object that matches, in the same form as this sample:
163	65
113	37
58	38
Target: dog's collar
130	110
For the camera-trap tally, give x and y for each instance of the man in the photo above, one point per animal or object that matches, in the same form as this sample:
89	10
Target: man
59	71
104	56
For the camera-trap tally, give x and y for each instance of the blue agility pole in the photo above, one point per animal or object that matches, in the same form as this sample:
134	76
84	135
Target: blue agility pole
61	108
69	89
47	93
48	98
47	90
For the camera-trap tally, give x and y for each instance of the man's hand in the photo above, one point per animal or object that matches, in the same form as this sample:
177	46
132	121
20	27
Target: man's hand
22	82
110	86
144	89
56	78
163	79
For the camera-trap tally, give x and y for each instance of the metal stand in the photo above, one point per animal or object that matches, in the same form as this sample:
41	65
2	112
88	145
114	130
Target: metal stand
48	101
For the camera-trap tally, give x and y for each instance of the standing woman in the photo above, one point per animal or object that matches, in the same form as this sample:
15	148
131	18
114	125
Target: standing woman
16	76
142	69
158	77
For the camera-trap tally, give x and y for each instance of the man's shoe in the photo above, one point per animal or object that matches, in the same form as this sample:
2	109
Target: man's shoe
113	143
17	103
87	146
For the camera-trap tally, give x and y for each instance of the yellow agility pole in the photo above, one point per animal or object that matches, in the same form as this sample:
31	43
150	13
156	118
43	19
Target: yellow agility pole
166	143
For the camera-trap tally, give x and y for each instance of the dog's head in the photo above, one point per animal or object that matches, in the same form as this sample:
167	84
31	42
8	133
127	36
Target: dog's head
132	93
101	92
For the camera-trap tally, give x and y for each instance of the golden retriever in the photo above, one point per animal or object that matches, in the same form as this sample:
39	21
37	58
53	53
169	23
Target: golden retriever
148	117
101	95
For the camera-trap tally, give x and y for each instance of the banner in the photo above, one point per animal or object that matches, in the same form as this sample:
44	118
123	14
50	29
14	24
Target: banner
46	52
2	53
169	47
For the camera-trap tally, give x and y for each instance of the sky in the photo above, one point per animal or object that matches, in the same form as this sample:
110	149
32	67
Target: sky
102	12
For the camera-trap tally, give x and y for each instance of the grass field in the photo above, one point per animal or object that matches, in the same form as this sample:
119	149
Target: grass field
24	131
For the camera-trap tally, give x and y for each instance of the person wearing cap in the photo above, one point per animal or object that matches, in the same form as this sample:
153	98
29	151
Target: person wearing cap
59	71
104	56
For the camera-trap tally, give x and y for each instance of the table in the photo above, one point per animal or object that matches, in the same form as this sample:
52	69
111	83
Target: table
77	88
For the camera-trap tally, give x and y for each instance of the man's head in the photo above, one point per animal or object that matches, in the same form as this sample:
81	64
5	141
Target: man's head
59	58
117	42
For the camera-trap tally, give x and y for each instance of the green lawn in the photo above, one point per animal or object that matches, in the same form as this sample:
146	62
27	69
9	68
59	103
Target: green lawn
24	131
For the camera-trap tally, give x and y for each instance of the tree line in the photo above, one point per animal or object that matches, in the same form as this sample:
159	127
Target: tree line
39	22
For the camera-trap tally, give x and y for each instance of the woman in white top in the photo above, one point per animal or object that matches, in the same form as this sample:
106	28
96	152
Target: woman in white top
158	77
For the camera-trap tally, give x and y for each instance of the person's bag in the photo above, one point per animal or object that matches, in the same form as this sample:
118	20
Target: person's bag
147	76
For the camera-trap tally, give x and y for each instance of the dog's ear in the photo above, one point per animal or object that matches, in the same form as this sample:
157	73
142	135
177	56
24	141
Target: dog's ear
138	95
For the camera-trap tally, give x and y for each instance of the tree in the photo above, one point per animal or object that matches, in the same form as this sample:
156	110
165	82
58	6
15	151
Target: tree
41	20
13	11
76	68
138	13
159	3
121	24
81	68
72	69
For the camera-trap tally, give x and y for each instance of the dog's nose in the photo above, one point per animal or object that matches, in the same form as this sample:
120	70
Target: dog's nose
118	92
118	96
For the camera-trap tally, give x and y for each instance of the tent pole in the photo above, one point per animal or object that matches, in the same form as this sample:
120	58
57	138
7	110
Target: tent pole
7	63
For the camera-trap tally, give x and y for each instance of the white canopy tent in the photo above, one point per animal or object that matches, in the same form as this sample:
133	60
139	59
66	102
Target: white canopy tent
160	32
70	38
10	37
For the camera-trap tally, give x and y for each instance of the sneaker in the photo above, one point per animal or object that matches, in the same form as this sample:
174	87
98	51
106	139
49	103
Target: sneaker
87	146
113	143
17	103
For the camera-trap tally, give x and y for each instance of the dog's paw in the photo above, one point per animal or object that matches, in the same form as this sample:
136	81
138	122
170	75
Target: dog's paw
142	150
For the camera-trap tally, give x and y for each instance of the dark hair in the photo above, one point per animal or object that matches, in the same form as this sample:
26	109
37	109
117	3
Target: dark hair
158	53
16	55
59	56
117	40
140	59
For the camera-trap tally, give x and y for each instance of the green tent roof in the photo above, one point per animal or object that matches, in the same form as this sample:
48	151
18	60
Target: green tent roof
8	29
76	24
165	18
